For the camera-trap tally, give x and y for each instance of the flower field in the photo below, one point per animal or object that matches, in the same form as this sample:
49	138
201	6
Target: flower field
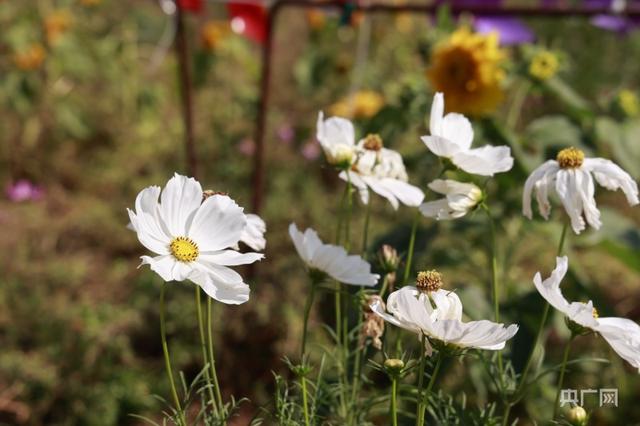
341	213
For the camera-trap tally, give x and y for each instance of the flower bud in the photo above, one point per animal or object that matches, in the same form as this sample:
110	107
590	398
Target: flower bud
578	416
388	258
394	367
341	156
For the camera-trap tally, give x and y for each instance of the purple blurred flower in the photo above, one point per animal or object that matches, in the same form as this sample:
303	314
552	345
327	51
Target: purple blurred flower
286	133
310	150
615	23
23	190
247	147
511	30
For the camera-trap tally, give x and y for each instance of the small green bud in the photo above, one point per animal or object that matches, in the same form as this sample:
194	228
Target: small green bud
578	416
394	366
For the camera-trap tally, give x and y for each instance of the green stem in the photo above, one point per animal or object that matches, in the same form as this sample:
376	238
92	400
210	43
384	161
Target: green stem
518	101
212	359
305	404
365	233
203	344
307	310
394	404
505	417
423	358
423	401
494	283
565	358
412	243
385	284
167	359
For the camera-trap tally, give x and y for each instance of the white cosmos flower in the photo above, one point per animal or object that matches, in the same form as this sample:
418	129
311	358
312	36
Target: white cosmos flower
460	198
192	237
451	137
367	164
622	334
331	260
438	315
571	175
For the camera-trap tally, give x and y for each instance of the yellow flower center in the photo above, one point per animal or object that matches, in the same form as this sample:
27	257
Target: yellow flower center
373	142
570	158
184	249
210	193
429	280
595	313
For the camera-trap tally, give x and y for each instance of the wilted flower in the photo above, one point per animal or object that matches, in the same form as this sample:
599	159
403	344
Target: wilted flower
212	33
544	65
451	138
192	238
23	190
368	164
467	67
331	260
362	104
460	199
570	175
628	102
373	325
438	316
622	334
56	24
30	58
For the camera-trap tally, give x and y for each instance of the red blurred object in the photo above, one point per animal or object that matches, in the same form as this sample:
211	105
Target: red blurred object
195	6
249	20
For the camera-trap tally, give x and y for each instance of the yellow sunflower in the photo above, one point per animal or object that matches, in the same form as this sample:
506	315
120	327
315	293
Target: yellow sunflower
467	68
544	65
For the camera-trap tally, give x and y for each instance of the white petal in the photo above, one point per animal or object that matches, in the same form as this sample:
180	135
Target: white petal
161	265
624	337
450	186
485	161
217	224
334	131
148	233
440	146
231	295
356	180
568	192
180	198
611	176
437	113
549	289
438	209
457	129
253	233
231	258
346	269
394	190
590	209
306	244
547	168
448	304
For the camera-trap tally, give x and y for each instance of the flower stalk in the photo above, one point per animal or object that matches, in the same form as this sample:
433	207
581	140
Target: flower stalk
565	358
167	359
203	344
212	359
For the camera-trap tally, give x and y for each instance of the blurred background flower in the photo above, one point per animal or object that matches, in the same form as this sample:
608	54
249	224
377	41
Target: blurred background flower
24	190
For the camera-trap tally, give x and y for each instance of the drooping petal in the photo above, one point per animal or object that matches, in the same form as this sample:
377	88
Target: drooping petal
485	161
217	224
546	168
161	265
346	269
356	180
611	176
438	209
253	233
456	128
180	198
394	189
567	190
549	289
624	337
587	193
229	294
